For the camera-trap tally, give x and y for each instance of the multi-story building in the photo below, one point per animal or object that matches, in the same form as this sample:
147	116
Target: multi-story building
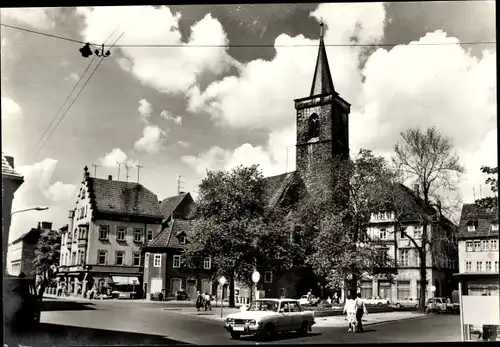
101	246
479	274
11	181
164	271
22	250
397	243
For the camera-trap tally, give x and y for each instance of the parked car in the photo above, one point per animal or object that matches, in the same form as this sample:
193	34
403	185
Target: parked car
270	316
377	301
438	305
22	307
406	302
123	295
181	295
312	301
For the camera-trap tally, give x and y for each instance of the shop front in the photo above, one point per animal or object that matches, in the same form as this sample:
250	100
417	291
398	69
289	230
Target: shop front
479	306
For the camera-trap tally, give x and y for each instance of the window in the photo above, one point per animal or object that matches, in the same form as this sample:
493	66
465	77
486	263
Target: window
313	126
404	257
488	266
83	194
75	234
477	246
383	254
137	235
294	307
157	260
85	212
103	232
479	266
476	289
207	263
485	245
137	259
404	230
177	261
494	226
16	268
81	257
403	289
73	258
496	266
382	234
417	257
150	235
119	258
471	226
120	234
268	277
366	289
146	260
418	232
182	240
494	245
468	246
101	257
468	266
83	233
206	286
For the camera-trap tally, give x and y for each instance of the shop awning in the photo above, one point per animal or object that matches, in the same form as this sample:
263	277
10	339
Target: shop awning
125	280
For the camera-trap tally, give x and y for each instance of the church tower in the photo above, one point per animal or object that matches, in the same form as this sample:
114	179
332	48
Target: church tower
322	130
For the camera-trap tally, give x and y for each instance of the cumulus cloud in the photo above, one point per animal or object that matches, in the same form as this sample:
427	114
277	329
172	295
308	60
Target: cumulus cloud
116	156
10	109
39	17
152	140
170	117
166	70
145	108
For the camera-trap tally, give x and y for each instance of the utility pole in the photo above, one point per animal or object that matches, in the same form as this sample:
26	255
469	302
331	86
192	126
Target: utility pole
138	170
126	174
119	165
95	169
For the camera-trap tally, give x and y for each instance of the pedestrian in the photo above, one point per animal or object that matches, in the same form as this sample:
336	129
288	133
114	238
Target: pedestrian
199	300
350	310
335	298
329	301
208	304
309	294
360	311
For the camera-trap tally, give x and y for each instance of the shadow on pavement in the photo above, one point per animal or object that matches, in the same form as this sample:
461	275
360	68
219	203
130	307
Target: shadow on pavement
59	305
278	337
56	334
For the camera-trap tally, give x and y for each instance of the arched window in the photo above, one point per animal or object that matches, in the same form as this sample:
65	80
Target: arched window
313	126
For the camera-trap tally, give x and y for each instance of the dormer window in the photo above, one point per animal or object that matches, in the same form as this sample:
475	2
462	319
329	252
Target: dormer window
472	226
182	240
494	226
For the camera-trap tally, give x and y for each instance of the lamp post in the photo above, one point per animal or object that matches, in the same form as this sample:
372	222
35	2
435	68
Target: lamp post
255	280
30	209
222	282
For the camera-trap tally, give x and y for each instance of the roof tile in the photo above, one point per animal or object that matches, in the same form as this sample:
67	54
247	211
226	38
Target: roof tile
484	218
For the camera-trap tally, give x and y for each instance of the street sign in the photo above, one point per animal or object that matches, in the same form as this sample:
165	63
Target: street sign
222	280
256	277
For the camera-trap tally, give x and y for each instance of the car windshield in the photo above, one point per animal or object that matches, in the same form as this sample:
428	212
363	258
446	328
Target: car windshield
264	305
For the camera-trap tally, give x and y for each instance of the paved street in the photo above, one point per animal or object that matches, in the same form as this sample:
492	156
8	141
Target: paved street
67	322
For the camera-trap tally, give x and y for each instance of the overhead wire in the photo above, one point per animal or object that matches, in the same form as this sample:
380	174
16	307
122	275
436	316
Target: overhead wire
69	95
184	45
74	100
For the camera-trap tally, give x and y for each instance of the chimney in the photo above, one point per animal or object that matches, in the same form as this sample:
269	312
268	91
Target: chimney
47	225
416	189
110	177
10	160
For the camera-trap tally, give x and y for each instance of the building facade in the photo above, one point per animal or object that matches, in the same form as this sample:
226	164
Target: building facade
22	250
102	247
479	273
11	181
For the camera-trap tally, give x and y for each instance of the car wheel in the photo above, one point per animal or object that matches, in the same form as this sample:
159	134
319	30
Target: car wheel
379	304
270	330
235	336
398	305
303	329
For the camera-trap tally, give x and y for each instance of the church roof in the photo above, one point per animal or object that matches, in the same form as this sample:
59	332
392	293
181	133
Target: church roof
322	80
276	186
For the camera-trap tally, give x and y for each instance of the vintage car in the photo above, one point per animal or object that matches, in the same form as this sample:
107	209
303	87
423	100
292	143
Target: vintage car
406	302
268	317
311	301
438	305
377	301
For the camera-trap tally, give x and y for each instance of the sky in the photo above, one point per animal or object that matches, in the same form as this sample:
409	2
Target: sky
188	108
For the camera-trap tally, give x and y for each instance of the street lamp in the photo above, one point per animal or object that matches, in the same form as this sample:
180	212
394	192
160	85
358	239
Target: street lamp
222	282
30	209
255	280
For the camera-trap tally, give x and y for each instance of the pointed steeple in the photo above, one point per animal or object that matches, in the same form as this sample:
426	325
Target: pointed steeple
322	80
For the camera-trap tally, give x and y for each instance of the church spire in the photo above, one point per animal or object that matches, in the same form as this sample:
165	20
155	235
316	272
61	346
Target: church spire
322	80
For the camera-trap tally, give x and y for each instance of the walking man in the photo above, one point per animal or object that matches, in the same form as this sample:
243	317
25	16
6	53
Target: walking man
360	312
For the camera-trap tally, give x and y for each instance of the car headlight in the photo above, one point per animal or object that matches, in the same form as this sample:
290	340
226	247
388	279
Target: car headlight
229	321
251	322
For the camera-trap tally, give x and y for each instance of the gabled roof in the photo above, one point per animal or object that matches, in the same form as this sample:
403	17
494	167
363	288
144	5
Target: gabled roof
34	232
169	205
169	237
276	187
8	170
481	216
128	198
322	80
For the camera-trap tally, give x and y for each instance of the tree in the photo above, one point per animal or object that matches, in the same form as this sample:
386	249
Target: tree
344	252
427	158
492	181
46	261
235	228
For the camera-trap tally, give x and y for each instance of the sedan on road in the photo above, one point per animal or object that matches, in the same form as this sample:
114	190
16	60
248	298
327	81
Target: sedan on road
270	316
438	305
406	302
